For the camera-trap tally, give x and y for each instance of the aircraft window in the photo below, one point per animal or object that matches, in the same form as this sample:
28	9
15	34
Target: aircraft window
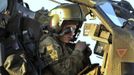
127	68
3	5
109	11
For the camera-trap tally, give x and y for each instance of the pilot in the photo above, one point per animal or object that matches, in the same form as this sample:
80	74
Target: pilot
13	57
61	56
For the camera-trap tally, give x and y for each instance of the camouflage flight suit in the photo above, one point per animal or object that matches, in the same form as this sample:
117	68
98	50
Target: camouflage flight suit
60	59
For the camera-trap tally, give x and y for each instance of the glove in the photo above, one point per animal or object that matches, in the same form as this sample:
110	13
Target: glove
87	52
81	46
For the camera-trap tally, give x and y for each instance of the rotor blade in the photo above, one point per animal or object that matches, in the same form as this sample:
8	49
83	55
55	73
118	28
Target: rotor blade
55	1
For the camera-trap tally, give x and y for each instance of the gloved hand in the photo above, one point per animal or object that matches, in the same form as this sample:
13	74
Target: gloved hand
81	46
85	50
88	51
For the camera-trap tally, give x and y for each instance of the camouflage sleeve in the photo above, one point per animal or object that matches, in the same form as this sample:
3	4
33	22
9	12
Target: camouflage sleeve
16	64
70	65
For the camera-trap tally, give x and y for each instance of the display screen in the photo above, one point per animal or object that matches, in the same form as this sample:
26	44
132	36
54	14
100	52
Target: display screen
99	48
127	68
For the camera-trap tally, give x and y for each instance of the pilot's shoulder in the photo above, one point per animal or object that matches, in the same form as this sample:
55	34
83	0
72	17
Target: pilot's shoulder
48	40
